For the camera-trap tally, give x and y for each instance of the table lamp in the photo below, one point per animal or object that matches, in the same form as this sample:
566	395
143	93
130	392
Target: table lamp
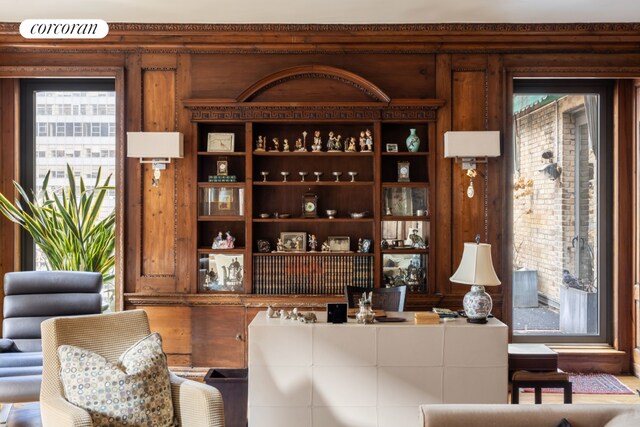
476	269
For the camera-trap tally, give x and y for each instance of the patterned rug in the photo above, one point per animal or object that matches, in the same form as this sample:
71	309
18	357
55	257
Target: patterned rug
591	384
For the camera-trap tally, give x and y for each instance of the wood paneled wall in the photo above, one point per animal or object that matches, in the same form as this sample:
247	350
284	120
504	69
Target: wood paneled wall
469	66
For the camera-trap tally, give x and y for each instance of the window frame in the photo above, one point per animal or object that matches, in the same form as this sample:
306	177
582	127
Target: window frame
605	89
28	132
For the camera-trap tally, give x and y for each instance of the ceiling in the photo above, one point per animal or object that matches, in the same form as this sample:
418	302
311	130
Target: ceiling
328	11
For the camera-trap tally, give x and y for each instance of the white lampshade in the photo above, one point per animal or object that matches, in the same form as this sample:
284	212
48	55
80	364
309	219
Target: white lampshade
467	144
155	145
476	266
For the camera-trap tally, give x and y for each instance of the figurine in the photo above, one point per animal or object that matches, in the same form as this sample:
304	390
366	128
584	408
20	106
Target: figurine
313	243
331	143
230	239
219	242
325	247
360	245
317	142
416	240
368	140
299	146
352	145
363	141
279	246
271	313
338	143
285	145
260	144
276	145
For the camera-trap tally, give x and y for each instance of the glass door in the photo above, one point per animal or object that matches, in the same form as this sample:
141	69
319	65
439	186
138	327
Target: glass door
560	282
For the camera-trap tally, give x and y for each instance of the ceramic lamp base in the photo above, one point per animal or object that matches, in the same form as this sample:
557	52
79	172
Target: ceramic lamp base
477	305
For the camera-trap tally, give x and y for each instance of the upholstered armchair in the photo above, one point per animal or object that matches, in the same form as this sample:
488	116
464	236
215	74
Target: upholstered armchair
31	297
109	335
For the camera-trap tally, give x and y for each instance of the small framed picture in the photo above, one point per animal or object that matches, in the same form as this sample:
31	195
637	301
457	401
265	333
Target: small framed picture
222	142
392	148
339	243
293	241
222	168
366	246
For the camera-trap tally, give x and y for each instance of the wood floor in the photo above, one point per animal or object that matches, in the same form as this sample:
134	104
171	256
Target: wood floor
28	414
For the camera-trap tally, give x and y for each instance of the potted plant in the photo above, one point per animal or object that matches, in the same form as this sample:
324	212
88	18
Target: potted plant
65	225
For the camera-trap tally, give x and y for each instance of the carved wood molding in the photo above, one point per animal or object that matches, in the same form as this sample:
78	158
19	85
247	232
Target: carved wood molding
13	27
293	113
313	72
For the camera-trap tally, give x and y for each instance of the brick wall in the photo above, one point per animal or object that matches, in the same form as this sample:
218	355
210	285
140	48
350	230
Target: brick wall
544	214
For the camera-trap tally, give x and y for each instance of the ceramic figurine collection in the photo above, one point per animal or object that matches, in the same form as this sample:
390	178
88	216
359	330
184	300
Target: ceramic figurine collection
333	144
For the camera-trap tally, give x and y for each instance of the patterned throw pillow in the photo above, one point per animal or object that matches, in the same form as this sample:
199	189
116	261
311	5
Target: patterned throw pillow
135	392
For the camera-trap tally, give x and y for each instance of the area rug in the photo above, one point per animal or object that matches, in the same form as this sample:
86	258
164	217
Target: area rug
591	384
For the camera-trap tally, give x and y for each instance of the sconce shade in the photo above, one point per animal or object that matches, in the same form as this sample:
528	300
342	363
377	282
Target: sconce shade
476	266
155	145
466	144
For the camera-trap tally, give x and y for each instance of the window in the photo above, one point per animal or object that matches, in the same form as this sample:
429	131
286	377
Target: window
561	281
46	109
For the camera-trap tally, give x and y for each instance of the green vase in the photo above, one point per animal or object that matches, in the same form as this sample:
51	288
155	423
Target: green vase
413	142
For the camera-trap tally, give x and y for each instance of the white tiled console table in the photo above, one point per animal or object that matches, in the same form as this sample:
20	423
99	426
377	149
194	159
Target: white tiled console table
326	375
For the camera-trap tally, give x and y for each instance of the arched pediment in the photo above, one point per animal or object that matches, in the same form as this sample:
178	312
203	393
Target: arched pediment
313	83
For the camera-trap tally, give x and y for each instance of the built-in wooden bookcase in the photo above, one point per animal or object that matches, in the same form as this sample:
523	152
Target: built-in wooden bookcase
265	203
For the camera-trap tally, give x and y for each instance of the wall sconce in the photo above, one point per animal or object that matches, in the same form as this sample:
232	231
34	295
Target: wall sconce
157	148
470	147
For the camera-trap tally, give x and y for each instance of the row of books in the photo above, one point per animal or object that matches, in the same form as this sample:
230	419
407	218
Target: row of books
311	274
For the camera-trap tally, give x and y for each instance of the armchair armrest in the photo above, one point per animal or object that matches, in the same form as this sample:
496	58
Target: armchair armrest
196	404
57	412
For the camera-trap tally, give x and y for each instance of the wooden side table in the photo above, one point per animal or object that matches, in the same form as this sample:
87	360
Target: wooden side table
532	357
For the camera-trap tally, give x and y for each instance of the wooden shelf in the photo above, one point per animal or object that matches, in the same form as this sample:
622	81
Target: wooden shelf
221	218
405	218
313	153
221	184
221	251
311	220
312	253
405	153
315	183
405	251
221	153
405	184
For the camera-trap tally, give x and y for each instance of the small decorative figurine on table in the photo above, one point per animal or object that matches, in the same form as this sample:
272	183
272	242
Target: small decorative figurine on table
368	140
279	246
351	147
285	145
276	144
317	142
326	247
299	146
363	141
260	144
313	243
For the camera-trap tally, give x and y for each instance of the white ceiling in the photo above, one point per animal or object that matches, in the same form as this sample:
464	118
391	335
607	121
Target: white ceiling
327	11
